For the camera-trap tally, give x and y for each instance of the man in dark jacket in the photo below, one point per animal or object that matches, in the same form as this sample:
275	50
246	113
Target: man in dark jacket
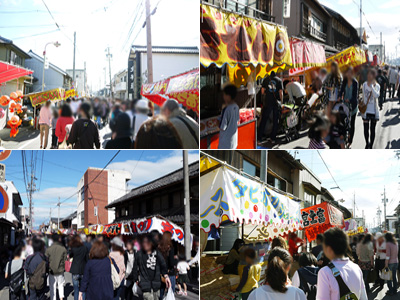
32	262
150	265
57	255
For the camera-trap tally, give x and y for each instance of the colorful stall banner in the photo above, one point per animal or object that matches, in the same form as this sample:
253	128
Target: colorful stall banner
52	95
307	54
70	93
228	196
350	225
160	224
319	218
229	38
353	56
183	87
112	229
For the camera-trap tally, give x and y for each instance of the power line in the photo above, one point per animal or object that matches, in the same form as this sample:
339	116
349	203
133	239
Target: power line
50	14
329	170
43	33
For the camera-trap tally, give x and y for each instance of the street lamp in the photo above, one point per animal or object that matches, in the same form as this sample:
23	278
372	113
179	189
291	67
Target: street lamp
57	44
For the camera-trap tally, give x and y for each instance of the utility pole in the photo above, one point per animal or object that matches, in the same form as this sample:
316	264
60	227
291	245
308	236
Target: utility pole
283	12
149	46
354	204
264	165
379	217
84	77
188	243
31	190
109	56
381	49
73	65
58	222
384	208
361	33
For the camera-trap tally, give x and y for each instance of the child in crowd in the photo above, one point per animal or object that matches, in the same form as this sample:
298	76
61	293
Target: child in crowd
251	275
54	138
228	121
318	131
337	131
183	278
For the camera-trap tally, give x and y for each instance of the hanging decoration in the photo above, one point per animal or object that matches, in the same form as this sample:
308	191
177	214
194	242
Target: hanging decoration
15	107
14	123
4	100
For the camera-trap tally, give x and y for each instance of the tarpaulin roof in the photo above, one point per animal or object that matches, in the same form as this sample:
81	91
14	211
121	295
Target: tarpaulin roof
183	87
10	72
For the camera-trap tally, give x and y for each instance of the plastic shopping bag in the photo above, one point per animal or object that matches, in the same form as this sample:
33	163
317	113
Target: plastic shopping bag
169	295
386	274
136	290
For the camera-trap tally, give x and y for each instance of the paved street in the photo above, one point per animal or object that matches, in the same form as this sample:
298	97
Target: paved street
28	138
69	295
387	131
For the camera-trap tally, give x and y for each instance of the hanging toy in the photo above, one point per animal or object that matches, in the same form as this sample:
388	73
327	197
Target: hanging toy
4	100
14	96
15	107
20	95
2	113
14	123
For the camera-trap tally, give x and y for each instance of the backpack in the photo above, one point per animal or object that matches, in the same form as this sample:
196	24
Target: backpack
16	279
345	293
310	291
37	280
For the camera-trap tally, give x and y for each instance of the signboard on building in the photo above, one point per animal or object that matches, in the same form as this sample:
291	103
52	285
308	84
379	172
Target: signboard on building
3	201
131	79
4	154
2	172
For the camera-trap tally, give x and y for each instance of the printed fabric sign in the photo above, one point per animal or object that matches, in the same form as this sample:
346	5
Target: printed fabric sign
319	218
228	196
229	38
352	56
52	95
70	93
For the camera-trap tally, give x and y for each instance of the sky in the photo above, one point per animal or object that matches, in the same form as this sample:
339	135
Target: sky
62	171
98	24
382	15
364	173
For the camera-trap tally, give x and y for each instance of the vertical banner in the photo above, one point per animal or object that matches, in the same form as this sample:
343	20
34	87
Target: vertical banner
131	79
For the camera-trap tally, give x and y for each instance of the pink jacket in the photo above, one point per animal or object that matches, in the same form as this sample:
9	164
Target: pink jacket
45	116
392	252
119	260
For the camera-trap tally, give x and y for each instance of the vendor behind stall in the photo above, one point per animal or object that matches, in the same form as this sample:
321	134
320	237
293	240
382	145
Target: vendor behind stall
229	119
295	90
232	261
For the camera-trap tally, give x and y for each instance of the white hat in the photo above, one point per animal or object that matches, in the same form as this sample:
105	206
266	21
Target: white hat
118	242
142	104
378	235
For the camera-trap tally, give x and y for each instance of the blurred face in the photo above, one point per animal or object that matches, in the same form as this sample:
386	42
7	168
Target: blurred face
227	98
333	69
324	133
371	77
350	74
146	245
129	246
249	261
328	252
381	239
165	112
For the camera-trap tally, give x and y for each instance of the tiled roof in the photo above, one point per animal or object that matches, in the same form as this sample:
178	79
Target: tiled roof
41	59
70	217
171	178
3	40
166	49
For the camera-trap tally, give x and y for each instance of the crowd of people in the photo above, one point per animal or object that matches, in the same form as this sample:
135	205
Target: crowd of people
333	269
328	107
147	267
75	123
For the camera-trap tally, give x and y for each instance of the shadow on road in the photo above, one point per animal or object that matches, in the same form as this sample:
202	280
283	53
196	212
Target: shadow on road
25	134
393	144
392	122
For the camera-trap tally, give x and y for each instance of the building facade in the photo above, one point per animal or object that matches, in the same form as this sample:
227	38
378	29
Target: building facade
167	62
120	85
79	82
97	189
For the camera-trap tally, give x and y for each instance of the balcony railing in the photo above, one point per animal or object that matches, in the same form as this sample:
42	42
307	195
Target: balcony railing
314	32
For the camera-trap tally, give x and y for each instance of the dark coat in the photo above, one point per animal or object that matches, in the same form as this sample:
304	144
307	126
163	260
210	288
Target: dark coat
84	135
354	98
96	282
80	257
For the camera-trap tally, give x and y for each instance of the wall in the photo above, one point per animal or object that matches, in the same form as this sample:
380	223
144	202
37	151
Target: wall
96	195
78	80
53	79
80	203
117	187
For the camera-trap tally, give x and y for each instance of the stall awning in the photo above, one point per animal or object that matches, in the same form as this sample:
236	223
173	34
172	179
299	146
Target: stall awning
319	218
183	87
10	72
229	196
249	47
353	56
307	54
42	97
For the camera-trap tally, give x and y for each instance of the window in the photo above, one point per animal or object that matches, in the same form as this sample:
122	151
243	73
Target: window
143	207
249	168
308	197
82	218
317	23
276	182
83	193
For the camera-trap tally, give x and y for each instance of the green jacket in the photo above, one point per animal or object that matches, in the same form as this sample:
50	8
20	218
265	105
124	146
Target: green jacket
57	255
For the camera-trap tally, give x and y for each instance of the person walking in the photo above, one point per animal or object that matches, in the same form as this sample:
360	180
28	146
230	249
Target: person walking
370	94
341	277
332	84
80	255
65	119
57	255
117	254
84	133
44	124
97	283
349	94
187	128
15	272
393	78
317	250
365	253
148	268
37	268
251	275
129	258
306	276
276	279
167	250
228	121
381	79
139	116
121	134
392	262
380	257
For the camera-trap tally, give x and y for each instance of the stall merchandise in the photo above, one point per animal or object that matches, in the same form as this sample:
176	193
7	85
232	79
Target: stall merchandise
183	87
319	218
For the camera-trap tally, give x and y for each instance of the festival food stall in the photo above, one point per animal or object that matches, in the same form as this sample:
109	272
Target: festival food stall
241	50
183	87
230	199
352	56
319	218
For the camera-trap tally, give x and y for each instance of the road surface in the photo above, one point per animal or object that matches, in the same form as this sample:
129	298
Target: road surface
387	131
68	290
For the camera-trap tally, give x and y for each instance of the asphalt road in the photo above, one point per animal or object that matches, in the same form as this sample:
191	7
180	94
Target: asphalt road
68	290
387	131
29	139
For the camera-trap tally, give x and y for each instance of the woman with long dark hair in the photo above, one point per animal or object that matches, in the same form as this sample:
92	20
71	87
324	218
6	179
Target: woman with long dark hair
332	84
65	119
392	262
277	286
365	253
80	256
233	259
167	250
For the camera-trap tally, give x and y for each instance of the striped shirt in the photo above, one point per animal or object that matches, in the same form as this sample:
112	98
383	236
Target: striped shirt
314	144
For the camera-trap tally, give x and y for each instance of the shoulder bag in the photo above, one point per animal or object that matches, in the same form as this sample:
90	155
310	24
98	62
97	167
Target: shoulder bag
344	291
362	107
114	276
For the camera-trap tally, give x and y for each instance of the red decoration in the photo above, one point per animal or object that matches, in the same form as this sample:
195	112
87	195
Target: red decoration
4	100
14	123
16	107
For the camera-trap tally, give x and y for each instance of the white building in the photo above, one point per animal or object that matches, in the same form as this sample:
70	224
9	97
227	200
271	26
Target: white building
79	81
98	188
120	83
